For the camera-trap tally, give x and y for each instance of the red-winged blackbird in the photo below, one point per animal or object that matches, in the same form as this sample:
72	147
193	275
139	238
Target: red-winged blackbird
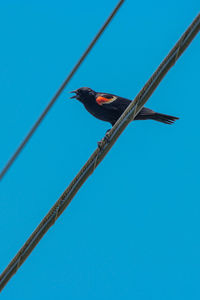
109	107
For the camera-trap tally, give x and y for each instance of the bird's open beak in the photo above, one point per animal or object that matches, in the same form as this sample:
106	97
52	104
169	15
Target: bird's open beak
74	95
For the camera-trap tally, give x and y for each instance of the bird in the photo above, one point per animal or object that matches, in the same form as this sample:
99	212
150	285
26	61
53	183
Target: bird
109	107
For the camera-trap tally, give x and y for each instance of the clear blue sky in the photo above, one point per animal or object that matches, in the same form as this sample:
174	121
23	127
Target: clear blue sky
132	231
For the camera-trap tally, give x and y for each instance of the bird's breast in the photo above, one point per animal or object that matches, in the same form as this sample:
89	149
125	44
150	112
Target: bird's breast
100	112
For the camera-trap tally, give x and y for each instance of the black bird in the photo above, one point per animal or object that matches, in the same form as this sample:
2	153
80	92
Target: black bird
109	107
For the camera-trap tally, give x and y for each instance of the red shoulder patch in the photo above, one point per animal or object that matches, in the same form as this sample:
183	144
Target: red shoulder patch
103	100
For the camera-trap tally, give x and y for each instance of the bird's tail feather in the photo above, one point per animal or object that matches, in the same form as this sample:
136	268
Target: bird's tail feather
167	119
148	114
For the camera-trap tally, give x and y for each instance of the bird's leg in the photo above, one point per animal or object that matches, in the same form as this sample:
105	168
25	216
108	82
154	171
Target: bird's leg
105	138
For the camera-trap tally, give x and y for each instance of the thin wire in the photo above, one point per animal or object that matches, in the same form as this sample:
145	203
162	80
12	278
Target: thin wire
132	110
57	94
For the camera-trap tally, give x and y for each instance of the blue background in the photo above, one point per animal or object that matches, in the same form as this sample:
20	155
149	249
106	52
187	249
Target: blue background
132	231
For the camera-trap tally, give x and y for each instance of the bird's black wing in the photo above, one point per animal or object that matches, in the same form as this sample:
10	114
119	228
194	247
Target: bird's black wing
112	102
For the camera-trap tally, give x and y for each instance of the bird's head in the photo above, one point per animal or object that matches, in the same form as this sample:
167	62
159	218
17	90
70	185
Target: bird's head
83	94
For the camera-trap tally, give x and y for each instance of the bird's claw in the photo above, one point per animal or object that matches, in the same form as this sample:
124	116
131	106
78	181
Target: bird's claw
106	139
99	144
